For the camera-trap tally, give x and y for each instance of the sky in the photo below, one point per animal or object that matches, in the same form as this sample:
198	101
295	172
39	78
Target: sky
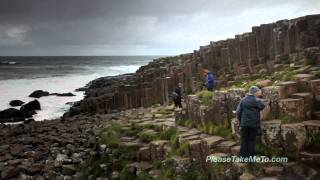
133	27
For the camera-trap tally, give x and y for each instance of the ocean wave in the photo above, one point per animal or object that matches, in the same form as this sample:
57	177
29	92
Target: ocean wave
8	63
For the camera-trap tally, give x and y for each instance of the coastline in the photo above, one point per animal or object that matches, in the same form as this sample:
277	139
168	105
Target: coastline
138	102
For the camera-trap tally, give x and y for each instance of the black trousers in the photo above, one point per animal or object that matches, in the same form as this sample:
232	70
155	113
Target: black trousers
177	102
210	88
248	141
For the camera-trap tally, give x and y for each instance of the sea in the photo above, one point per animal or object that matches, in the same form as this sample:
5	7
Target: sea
20	76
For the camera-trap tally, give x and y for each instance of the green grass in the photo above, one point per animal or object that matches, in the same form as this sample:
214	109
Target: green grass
147	137
187	123
168	133
206	97
164	111
315	141
90	167
285	74
268	151
110	135
218	130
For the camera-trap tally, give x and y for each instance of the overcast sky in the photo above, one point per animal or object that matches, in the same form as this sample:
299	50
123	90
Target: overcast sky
133	27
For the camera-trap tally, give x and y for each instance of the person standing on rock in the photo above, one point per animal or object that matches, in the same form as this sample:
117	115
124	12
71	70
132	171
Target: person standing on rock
210	80
177	96
248	113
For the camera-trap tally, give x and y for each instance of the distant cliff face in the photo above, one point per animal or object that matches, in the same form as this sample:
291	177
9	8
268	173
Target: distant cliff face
254	52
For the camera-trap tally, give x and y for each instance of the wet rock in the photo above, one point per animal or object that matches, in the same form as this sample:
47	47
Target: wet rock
29	109
14	103
11	115
63	94
39	93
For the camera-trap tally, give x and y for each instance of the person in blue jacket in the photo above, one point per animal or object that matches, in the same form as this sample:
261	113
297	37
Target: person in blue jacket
210	80
248	113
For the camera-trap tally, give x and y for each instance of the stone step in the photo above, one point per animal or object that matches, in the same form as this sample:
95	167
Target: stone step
310	158
225	146
287	88
308	102
312	126
182	129
303	81
293	108
213	141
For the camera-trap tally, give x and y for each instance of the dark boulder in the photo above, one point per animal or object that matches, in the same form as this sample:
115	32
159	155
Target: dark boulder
29	120
39	94
72	112
63	94
81	89
29	109
14	103
11	115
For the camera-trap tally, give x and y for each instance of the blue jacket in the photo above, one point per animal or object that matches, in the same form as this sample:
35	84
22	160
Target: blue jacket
248	111
210	80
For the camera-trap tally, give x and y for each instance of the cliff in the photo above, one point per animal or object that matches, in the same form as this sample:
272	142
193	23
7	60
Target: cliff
125	127
260	51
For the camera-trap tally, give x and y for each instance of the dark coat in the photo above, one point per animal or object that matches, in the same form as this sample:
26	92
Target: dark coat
248	111
178	92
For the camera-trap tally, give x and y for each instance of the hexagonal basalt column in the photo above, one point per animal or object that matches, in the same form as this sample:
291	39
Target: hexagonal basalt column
287	88
315	88
308	102
293	136
303	81
271	133
272	94
313	128
292	109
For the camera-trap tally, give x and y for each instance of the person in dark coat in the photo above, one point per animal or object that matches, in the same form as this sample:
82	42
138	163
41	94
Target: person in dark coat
177	96
248	113
210	80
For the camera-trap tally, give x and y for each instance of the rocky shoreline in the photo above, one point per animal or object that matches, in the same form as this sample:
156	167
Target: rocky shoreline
26	110
282	57
48	149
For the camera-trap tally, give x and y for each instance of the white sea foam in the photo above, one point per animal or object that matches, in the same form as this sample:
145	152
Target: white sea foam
53	106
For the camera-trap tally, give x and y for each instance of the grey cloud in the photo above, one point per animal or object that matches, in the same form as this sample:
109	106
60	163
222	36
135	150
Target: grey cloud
97	27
